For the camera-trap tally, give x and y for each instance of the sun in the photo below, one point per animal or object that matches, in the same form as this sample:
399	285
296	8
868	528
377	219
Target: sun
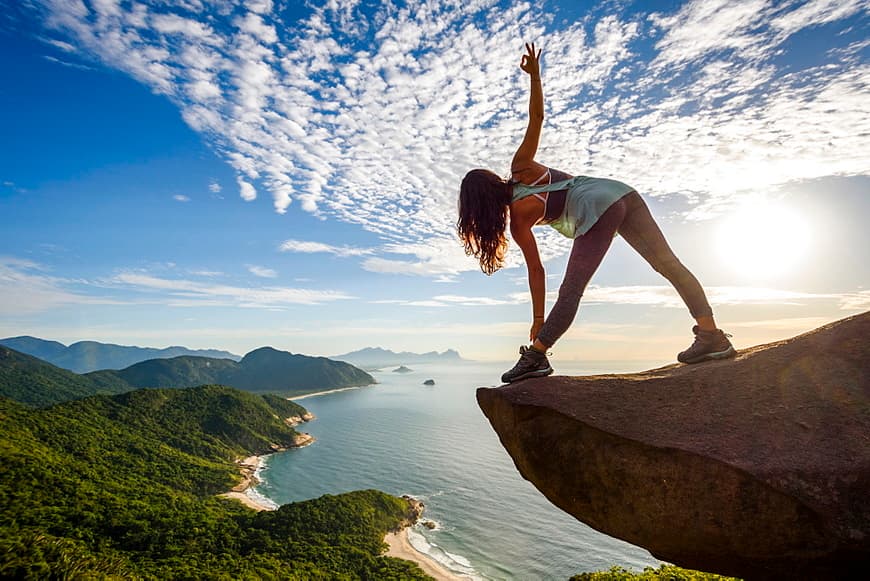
764	240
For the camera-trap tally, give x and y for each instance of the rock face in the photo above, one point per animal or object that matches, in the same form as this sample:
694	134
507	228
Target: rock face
757	467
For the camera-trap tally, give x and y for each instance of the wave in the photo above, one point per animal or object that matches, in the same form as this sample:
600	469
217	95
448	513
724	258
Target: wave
253	493
261	499
452	562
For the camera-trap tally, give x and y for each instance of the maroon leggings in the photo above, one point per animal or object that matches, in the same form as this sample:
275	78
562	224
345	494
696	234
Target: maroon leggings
631	218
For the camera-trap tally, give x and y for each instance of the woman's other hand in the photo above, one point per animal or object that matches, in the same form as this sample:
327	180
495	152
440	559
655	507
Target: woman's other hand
529	62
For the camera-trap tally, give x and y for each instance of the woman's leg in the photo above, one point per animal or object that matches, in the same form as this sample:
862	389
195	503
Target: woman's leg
640	230
586	255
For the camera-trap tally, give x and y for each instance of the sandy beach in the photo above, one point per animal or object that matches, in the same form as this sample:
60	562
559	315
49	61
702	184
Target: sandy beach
401	548
248	467
316	393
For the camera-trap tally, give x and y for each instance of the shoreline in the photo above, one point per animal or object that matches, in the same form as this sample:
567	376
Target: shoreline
248	467
316	393
401	548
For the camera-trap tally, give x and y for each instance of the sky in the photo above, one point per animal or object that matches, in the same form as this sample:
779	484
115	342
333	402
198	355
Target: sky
238	174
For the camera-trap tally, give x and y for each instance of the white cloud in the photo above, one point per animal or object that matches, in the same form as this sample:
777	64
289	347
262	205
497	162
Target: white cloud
792	324
859	301
372	119
666	296
310	247
214	187
262	271
205	272
246	190
186	293
26	287
181	198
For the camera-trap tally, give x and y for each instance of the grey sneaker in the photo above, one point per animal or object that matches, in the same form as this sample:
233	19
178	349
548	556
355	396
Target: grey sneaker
707	345
532	363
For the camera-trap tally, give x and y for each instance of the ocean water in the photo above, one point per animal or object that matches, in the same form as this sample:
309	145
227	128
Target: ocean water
434	443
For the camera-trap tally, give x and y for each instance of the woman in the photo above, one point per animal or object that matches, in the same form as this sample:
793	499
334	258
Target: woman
589	210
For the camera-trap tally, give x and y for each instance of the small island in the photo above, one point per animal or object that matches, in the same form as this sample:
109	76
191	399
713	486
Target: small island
429	382
402	369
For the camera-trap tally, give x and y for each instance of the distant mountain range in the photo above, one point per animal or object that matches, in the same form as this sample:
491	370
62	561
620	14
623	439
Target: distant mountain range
86	356
376	357
38	383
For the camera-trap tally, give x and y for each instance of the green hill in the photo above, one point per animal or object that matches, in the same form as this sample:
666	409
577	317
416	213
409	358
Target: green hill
178	372
264	370
123	487
34	382
267	369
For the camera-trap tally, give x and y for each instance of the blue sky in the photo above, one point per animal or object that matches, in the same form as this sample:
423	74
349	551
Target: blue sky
238	174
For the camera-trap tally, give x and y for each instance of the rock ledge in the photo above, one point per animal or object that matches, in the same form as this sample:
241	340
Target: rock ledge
757	467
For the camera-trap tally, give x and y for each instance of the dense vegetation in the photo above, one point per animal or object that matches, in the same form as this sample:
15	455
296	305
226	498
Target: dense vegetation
29	380
176	372
663	573
123	486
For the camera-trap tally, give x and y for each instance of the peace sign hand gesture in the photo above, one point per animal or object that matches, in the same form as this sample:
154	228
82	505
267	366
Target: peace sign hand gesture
529	62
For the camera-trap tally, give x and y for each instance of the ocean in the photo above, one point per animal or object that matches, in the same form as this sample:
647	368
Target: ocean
434	443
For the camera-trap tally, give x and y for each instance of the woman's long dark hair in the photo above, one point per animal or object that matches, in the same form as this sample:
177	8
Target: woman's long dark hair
483	213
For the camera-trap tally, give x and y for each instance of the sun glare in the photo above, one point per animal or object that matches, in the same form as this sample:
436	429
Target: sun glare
764	240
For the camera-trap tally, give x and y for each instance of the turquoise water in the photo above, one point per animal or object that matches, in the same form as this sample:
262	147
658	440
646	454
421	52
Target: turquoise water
435	444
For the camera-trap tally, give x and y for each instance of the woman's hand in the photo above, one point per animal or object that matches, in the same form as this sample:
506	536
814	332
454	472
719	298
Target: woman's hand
529	62
537	323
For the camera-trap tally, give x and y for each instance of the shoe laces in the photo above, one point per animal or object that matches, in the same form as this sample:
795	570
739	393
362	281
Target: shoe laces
525	349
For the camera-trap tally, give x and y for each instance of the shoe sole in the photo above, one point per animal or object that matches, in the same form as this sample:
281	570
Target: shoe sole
530	374
730	352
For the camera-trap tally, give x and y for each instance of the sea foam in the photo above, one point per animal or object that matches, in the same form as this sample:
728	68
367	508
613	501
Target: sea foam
452	562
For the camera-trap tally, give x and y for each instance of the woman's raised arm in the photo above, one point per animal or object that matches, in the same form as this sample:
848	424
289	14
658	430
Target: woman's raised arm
524	158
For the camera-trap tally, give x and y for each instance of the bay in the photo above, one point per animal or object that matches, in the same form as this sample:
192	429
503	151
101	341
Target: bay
434	443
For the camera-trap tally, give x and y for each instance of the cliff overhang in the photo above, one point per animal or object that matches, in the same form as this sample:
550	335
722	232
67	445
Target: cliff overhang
757	467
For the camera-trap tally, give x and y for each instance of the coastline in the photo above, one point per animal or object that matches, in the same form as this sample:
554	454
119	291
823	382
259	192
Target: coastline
316	393
401	548
248	467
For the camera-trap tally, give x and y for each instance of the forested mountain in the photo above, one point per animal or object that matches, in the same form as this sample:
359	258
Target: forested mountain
264	370
34	382
85	356
267	369
124	487
176	372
